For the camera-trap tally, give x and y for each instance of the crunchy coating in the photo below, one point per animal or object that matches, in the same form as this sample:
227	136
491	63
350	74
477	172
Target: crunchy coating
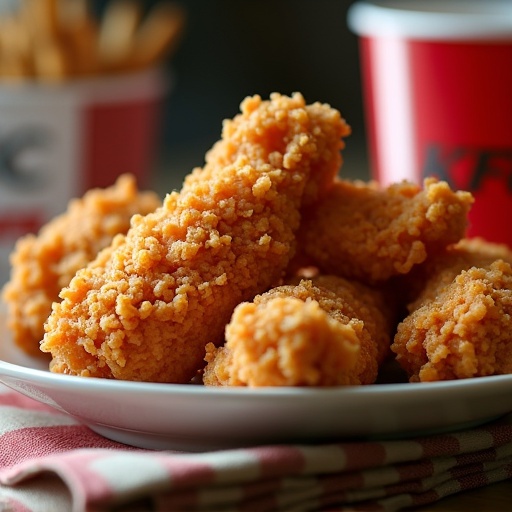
359	230
276	141
429	279
316	333
376	307
482	248
145	309
313	349
465	331
42	264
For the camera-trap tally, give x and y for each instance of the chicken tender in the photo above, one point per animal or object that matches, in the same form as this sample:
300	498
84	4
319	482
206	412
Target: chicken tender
359	230
43	264
316	333
429	280
147	306
460	323
281	144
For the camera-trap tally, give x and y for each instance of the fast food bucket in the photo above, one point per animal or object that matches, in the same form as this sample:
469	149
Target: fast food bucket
57	140
437	79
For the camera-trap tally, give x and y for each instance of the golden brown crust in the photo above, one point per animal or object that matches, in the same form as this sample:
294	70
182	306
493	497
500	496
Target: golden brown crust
362	231
439	271
317	333
313	349
147	308
155	299
458	325
376	307
465	331
274	140
43	264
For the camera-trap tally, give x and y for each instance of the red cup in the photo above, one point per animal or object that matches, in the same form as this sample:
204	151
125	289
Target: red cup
437	82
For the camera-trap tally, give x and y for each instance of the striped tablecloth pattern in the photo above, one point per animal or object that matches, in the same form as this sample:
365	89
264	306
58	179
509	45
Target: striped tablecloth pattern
49	461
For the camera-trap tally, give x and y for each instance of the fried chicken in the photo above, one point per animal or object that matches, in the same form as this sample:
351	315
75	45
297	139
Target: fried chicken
360	230
284	342
281	143
376	306
321	332
42	264
460	324
147	306
438	272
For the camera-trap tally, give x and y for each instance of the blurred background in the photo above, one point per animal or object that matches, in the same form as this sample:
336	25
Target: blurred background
231	49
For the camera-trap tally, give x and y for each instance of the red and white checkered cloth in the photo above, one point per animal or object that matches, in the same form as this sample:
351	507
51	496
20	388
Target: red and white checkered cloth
50	462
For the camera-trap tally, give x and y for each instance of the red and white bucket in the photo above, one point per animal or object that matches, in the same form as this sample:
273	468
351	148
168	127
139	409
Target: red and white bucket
59	140
437	79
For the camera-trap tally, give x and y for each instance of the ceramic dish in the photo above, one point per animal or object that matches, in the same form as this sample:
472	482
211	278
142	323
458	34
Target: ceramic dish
193	417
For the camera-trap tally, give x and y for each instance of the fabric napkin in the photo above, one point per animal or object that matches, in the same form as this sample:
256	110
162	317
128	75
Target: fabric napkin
49	461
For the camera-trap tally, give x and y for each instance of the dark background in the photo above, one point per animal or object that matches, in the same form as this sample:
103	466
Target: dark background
234	48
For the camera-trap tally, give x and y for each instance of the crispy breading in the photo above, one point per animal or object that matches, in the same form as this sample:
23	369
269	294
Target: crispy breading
281	143
283	342
438	272
360	230
375	306
146	308
42	264
458	325
321	332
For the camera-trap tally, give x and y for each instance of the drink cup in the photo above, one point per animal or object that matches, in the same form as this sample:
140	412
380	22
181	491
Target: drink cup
437	79
59	140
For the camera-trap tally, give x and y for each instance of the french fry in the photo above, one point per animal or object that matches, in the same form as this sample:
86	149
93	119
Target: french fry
81	40
15	48
43	18
158	34
48	54
50	62
53	40
74	11
79	35
117	30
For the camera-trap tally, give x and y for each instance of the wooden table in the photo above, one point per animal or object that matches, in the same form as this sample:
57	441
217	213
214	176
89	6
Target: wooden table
492	498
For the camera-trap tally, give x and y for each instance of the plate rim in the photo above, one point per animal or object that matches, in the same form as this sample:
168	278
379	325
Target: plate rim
74	382
195	402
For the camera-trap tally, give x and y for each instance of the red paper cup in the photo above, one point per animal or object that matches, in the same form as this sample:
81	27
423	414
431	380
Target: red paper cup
59	140
438	94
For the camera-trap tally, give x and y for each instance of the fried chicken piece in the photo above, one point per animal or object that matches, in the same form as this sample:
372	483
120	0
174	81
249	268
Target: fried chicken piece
321	332
460	324
283	342
262	144
43	264
360	230
429	279
481	247
376	307
145	309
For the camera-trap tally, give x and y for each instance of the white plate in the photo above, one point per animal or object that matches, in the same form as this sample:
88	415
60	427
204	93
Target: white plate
193	417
